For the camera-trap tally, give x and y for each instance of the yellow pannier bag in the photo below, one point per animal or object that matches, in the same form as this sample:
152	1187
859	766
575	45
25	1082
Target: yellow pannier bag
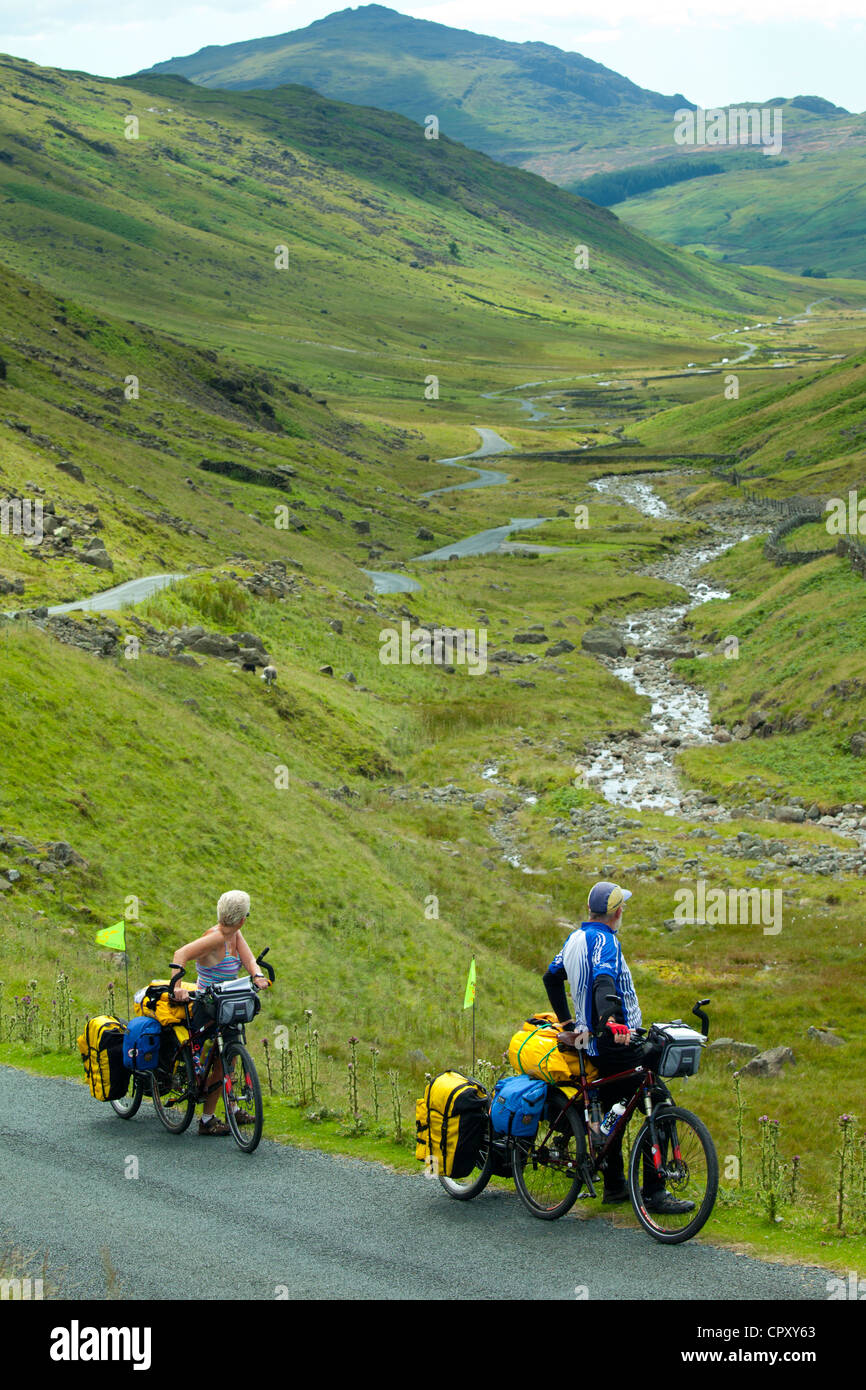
159	1006
101	1048
451	1124
533	1051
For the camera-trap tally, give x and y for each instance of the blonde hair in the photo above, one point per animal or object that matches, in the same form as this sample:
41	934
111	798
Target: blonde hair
232	908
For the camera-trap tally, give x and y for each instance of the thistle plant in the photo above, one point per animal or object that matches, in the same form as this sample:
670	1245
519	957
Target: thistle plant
374	1082
285	1065
64	1028
487	1073
770	1182
396	1106
845	1154
311	1054
741	1110
353	1085
795	1176
267	1052
858	1183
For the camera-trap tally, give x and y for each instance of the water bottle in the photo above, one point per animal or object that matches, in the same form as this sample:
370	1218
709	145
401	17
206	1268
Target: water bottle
612	1116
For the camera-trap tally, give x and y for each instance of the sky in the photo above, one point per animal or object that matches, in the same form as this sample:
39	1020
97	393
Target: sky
715	53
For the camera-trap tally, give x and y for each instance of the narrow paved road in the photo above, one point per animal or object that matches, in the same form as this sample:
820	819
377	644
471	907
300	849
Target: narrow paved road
491	443
110	600
203	1220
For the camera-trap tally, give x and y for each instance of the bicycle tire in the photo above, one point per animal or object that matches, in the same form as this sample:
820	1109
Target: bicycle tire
128	1105
242	1083
559	1160
706	1182
179	1082
464	1189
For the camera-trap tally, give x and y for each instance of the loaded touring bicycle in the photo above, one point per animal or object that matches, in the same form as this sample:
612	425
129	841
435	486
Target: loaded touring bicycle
553	1137
166	1056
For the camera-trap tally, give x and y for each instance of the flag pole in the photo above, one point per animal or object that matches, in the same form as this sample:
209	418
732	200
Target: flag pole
469	1001
472	1068
126	964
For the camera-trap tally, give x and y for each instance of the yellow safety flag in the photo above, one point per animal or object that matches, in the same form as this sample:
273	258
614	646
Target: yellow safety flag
113	936
469	997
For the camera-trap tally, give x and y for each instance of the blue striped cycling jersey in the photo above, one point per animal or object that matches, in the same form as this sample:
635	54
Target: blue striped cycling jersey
593	950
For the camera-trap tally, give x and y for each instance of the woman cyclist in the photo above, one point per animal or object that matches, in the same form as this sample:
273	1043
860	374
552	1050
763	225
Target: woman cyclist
218	956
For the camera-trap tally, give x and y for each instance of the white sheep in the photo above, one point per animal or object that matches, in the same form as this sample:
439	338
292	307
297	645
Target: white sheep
269	675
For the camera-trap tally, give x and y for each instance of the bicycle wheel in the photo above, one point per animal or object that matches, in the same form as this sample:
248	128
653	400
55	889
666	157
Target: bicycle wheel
173	1090
127	1105
689	1167
241	1085
548	1169
464	1189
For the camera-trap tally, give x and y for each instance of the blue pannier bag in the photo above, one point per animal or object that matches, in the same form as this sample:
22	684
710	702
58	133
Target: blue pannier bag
141	1044
517	1105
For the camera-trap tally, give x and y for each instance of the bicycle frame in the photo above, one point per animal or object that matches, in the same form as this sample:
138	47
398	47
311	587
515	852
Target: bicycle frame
596	1153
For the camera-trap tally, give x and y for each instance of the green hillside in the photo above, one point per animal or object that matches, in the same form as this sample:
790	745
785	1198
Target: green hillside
440	248
512	100
805	437
807	213
586	128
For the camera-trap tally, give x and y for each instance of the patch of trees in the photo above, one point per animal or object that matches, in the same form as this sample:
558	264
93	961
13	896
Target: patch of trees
619	184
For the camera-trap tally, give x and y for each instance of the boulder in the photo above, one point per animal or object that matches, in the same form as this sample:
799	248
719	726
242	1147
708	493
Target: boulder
251	657
72	469
531	637
738	1049
769	1063
560	648
63	853
602	641
214	644
20	843
790	813
96	556
824	1035
248	639
422	534
362	527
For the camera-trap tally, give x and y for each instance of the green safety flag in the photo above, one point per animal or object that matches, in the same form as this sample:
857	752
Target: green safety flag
469	997
113	936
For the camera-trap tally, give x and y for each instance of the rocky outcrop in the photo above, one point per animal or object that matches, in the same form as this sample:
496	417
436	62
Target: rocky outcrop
825	1036
279	477
602	641
770	1063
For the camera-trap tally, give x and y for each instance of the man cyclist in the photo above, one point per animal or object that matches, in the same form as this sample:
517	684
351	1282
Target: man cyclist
592	962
